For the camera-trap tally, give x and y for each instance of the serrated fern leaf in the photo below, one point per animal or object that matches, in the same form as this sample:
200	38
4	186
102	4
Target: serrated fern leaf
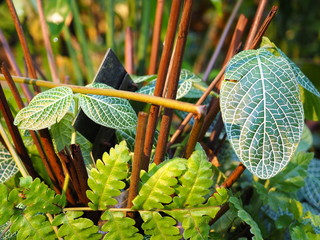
262	111
7	207
195	182
159	227
8	167
45	109
71	227
39	198
245	216
119	227
32	226
158	185
105	181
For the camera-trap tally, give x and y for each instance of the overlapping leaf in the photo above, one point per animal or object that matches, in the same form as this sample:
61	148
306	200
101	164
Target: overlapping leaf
45	109
105	181
61	135
8	167
107	111
119	227
262	111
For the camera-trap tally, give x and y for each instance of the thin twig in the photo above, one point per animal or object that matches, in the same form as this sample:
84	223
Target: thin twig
162	74
138	157
47	43
173	80
221	40
156	38
129	51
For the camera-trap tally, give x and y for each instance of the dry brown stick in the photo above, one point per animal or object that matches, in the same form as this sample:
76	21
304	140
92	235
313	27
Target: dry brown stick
221	40
15	135
47	43
33	134
162	74
138	161
14	65
255	24
156	38
129	51
173	80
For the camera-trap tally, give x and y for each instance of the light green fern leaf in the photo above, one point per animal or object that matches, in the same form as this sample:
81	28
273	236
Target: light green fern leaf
195	182
107	111
31	226
7	206
262	111
119	227
8	167
245	216
105	181
157	185
72	227
45	109
159	227
39	198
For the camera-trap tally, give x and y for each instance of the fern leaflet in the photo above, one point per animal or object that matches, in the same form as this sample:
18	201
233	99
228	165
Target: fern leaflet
119	227
74	228
105	180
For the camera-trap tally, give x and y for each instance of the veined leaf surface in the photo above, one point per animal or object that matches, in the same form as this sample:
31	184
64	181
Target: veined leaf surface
8	167
107	111
262	111
45	109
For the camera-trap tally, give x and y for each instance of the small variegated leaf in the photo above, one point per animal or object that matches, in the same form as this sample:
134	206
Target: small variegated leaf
45	109
262	111
8	167
107	111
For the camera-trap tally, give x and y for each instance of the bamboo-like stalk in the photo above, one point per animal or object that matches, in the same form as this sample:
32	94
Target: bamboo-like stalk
110	23
162	73
47	43
255	24
173	80
169	103
15	135
156	38
14	65
138	163
143	37
129	51
82	40
221	41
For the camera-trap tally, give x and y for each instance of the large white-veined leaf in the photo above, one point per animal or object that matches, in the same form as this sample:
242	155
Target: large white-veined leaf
61	135
45	109
262	111
8	167
107	111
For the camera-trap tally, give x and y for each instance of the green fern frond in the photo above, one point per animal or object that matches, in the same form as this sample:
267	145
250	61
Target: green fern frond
119	227
159	227
32	226
74	228
158	185
39	198
195	182
105	180
6	206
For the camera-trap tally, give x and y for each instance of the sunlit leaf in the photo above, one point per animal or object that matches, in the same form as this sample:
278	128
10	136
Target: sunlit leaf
45	109
262	111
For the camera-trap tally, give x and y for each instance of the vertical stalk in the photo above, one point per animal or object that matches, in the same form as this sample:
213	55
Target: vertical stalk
221	40
163	69
47	43
82	40
156	38
110	23
138	163
173	80
14	65
129	51
143	37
